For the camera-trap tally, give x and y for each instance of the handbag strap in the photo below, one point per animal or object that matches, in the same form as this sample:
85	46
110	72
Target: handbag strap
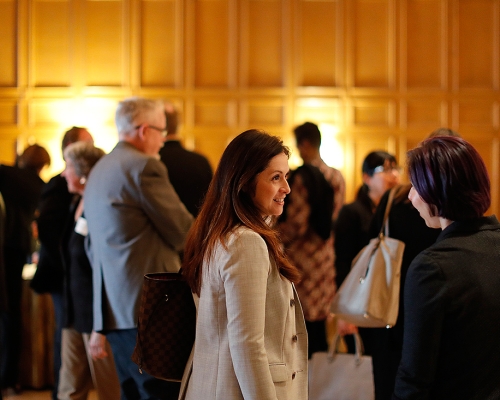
358	348
189	366
384	229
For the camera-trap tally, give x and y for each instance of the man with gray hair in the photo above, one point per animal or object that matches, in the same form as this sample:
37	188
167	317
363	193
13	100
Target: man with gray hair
137	225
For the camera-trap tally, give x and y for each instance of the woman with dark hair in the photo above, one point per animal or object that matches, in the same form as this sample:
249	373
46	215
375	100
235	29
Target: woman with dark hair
352	231
306	231
452	289
251	340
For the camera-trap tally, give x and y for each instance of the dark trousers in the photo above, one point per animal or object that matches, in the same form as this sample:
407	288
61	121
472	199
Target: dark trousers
12	323
316	337
134	385
57	301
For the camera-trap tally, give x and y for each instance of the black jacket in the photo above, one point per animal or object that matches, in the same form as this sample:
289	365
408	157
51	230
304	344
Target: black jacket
451	343
190	174
54	212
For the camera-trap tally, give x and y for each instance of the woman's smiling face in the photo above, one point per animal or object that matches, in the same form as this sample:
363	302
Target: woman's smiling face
271	186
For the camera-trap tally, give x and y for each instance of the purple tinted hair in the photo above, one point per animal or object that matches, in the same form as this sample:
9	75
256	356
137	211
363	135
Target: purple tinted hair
450	175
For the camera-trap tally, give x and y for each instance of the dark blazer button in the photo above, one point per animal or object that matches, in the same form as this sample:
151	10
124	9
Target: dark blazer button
293	375
295	338
292	303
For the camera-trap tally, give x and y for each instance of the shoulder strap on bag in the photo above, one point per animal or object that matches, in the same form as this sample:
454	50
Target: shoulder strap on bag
384	229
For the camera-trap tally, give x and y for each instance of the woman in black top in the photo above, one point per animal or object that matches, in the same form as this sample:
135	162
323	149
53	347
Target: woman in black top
452	289
352	230
86	358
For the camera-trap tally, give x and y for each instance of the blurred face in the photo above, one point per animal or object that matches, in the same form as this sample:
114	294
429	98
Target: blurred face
272	186
154	133
306	151
72	179
424	209
384	178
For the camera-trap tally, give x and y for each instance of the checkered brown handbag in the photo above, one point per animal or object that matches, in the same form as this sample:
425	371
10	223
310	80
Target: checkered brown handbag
166	326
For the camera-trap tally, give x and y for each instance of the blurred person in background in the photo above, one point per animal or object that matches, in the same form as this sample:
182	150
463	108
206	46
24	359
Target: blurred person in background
20	186
87	360
352	230
53	213
405	224
189	172
306	232
308	139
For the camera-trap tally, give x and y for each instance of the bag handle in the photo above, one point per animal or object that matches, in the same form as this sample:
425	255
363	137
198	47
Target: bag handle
384	229
358	348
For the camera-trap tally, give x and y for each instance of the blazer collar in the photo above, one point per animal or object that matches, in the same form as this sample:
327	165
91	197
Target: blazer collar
459	228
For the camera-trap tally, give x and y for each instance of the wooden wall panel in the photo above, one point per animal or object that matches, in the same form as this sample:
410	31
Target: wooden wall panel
159	43
51	53
479	114
426	44
45	112
485	147
372	54
212	43
7	147
476	41
321	110
8	113
376	113
424	112
265	113
318	43
265	47
105	45
214	112
211	142
370	73
8	42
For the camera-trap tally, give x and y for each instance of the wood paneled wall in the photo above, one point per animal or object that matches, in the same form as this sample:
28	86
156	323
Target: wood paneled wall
374	73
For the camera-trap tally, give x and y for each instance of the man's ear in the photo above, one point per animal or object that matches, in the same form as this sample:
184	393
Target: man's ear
141	132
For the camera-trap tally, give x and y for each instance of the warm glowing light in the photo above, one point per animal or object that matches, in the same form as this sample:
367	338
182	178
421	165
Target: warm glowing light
331	151
95	114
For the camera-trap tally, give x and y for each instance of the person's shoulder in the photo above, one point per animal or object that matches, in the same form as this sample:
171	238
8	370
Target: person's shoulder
353	208
245	235
175	148
56	186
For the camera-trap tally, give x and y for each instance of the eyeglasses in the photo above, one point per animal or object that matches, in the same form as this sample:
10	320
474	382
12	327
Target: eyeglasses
386	169
163	131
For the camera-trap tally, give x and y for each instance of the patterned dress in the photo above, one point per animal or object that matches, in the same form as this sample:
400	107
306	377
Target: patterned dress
311	254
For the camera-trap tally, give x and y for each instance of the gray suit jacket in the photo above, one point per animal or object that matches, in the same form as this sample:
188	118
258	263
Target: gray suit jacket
137	224
251	340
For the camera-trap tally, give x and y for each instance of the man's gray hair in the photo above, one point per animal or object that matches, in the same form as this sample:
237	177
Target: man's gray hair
134	111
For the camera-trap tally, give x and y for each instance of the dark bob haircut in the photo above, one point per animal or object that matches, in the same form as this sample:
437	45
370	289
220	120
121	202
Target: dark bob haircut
450	175
376	159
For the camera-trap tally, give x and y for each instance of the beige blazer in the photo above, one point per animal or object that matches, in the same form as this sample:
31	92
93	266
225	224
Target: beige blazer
251	340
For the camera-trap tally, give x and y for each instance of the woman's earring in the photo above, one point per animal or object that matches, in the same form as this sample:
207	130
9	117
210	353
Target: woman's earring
83	180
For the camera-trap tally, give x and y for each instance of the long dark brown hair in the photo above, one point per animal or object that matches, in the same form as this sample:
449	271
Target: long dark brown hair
228	204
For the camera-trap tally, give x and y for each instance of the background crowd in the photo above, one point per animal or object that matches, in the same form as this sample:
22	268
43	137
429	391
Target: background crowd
264	248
